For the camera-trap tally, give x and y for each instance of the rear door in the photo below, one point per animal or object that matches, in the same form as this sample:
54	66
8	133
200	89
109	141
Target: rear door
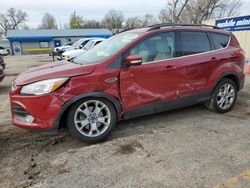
196	62
157	78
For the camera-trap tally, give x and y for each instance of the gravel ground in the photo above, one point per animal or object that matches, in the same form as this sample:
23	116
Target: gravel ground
190	147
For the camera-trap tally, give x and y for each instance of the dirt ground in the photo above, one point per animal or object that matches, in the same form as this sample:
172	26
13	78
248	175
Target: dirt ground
190	147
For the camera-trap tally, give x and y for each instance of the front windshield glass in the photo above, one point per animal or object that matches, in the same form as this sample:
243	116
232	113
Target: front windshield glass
88	45
77	43
106	49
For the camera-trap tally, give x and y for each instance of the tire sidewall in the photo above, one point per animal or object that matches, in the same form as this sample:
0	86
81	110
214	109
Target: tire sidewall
74	131
215	104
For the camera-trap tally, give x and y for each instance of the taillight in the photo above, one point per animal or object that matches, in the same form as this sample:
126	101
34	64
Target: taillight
239	53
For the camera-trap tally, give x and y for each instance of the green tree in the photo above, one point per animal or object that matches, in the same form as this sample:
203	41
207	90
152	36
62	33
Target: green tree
48	22
76	21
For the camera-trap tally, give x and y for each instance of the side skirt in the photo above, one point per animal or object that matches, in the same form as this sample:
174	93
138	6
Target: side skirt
157	107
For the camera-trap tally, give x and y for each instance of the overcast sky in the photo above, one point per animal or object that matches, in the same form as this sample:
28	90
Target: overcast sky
89	9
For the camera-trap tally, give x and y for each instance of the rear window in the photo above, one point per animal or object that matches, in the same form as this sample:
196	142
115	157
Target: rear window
194	42
220	40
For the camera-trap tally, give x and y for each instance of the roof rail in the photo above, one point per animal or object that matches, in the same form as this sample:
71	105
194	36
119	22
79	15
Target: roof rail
158	26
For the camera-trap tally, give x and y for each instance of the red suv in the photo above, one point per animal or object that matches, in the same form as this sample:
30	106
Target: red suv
134	73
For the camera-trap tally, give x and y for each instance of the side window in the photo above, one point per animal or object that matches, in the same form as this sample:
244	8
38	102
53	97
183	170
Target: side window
194	42
220	40
98	42
155	48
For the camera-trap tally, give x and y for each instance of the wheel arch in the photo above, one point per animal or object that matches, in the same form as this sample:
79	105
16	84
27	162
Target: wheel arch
232	76
59	123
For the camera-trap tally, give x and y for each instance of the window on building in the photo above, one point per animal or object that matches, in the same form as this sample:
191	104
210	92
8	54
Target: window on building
194	42
44	44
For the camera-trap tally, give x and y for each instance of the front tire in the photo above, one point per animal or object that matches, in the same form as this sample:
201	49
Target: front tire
224	96
91	120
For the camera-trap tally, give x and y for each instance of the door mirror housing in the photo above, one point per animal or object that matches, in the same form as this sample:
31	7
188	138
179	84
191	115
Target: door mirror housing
133	60
80	47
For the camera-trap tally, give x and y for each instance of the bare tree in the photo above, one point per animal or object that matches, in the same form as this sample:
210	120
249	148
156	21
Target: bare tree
12	19
48	22
113	19
201	10
133	22
148	20
173	11
92	24
196	11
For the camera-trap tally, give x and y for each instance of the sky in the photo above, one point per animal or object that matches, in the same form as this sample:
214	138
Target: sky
89	9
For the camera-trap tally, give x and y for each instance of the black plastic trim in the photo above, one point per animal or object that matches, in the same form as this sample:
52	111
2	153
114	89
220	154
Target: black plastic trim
167	105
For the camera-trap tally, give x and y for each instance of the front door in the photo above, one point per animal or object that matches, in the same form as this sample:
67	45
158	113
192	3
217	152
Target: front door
156	79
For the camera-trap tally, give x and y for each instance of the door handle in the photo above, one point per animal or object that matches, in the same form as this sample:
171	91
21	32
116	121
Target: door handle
170	67
214	59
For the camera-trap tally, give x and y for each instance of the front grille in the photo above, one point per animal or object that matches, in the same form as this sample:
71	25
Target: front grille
19	110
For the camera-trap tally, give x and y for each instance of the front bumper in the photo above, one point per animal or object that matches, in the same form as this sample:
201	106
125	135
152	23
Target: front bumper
34	112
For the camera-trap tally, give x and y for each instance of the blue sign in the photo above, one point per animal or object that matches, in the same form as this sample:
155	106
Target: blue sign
234	24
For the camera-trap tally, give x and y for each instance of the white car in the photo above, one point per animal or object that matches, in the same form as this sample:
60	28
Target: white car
68	55
76	45
4	51
65	46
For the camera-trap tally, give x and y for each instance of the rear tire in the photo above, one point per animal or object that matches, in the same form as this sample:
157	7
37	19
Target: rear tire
91	120
224	96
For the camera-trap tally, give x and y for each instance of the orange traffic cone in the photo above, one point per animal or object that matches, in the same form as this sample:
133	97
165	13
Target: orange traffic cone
247	68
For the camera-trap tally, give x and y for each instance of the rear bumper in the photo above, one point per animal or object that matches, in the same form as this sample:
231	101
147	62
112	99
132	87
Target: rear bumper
242	81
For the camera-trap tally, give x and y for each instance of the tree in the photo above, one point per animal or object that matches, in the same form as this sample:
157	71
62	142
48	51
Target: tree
48	22
12	19
148	20
75	21
133	22
92	24
196	11
173	11
113	19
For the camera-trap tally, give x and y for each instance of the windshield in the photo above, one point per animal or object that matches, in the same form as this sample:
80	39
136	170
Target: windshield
77	43
89	45
106	49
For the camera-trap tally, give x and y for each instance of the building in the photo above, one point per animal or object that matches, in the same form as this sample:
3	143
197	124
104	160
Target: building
240	26
43	41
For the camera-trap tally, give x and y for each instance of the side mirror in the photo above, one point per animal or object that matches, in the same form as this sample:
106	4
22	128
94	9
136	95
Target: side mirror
80	47
133	60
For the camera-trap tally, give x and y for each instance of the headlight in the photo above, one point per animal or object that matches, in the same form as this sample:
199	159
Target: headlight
66	57
43	87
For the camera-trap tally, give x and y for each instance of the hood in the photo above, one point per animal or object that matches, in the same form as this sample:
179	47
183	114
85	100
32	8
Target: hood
53	70
61	48
73	53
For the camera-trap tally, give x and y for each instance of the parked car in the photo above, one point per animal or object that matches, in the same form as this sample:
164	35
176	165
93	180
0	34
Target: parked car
4	51
2	62
76	45
2	67
63	47
131	74
74	53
